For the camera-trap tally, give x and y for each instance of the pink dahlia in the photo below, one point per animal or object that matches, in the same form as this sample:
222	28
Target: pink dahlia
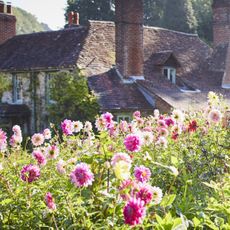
38	139
39	157
30	173
142	173
108	118
137	114
15	140
3	136
52	151
123	126
50	201
132	143
134	211
17	130
120	157
67	127
81	176
163	132
145	193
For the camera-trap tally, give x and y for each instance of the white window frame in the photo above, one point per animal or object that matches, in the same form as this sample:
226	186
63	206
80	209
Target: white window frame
123	117
171	73
17	89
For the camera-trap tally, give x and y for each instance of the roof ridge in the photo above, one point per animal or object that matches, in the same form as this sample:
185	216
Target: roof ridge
174	31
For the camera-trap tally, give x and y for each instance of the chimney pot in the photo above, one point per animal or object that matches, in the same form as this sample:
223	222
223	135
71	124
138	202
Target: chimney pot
8	8
70	18
2	7
76	18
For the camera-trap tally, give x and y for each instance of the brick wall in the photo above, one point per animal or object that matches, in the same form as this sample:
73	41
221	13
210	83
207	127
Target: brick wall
129	37
221	22
7	27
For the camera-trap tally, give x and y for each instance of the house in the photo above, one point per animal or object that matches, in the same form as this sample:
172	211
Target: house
129	66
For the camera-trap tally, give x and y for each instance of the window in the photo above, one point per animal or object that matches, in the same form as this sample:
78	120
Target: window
170	73
17	89
48	87
123	118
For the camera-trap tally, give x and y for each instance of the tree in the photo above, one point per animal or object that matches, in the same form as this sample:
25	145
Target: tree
91	9
179	15
204	18
72	100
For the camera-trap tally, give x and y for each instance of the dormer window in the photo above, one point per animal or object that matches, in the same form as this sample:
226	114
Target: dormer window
17	89
170	73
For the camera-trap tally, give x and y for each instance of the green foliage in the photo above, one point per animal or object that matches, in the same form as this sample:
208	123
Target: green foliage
192	172
5	84
71	98
27	23
181	15
88	10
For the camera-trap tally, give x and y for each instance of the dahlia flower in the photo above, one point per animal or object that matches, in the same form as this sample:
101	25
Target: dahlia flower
142	173
52	151
61	166
82	176
120	157
157	195
214	116
122	170
67	127
77	126
37	139
30	173
47	134
145	193
39	157
50	201
134	212
132	143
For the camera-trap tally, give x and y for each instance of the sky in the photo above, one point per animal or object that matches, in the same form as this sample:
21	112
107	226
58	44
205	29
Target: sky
50	12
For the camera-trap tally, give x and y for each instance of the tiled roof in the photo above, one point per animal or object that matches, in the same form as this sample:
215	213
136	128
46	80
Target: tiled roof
160	58
44	50
114	95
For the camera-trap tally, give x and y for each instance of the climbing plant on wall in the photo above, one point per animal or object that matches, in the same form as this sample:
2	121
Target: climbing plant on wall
5	84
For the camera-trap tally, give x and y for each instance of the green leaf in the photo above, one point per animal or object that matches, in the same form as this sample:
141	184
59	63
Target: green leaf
196	222
167	200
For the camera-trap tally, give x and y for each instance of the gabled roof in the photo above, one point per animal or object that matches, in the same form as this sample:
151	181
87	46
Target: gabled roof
113	95
161	58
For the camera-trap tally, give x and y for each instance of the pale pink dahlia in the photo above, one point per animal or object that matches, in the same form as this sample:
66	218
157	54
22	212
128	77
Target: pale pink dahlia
50	201
108	117
137	114
39	157
82	176
37	139
67	127
47	134
61	166
145	193
30	173
214	116
52	151
134	211
15	140
17	130
120	157
132	143
142	173
77	126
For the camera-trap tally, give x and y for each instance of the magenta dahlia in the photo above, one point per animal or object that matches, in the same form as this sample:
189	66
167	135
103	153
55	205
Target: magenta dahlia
134	211
30	173
82	176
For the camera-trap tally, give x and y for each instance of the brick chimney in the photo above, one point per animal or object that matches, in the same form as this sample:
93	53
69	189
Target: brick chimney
221	21
129	38
7	22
